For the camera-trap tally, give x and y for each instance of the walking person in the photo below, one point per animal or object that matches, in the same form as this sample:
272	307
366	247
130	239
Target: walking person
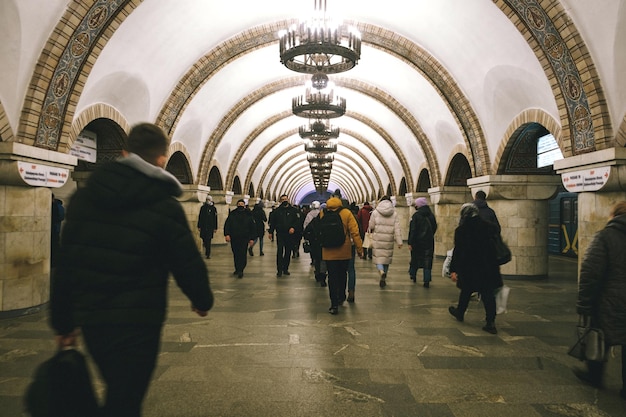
285	221
351	265
384	226
421	241
258	214
474	267
363	217
57	217
240	231
338	258
484	211
311	234
207	224
602	292
124	234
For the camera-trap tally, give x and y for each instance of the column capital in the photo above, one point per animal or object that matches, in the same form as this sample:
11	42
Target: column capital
23	165
449	195
603	170
194	193
516	187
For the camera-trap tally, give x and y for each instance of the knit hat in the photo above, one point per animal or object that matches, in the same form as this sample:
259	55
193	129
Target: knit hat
420	202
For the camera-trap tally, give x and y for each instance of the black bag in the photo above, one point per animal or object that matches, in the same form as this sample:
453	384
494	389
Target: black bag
306	246
503	253
62	388
332	233
590	343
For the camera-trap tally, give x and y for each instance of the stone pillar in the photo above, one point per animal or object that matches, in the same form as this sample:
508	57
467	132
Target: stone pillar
446	204
600	178
521	203
28	177
402	211
192	199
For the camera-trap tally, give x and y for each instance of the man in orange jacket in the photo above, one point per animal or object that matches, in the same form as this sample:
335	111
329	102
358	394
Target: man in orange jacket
337	258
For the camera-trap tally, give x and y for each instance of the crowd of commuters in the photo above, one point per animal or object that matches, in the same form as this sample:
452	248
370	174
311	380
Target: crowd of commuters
132	197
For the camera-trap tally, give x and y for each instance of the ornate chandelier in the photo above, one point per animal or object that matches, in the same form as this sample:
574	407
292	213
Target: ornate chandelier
320	147
319	101
320	44
318	130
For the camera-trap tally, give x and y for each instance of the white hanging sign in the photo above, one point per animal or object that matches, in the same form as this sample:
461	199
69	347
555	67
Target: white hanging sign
586	180
39	175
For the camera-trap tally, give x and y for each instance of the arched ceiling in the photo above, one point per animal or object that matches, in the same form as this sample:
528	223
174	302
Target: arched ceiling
434	77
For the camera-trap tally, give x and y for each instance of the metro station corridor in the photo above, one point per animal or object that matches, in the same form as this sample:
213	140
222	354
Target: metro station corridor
270	348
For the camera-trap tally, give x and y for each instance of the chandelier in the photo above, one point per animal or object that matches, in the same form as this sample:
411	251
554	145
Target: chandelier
319	101
318	130
320	44
320	147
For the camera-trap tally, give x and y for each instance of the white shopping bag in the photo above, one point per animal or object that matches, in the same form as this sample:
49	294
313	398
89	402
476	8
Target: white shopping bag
445	271
502	297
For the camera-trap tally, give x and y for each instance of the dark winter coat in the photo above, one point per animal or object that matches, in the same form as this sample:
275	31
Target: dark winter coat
422	230
486	213
258	214
363	217
602	287
285	217
124	234
207	221
474	256
240	225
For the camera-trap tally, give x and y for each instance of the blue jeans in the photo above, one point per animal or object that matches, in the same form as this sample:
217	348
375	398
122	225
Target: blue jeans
428	273
383	267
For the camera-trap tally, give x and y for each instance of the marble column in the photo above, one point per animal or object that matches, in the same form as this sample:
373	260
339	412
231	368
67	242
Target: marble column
192	199
446	204
28	177
521	203
600	179
404	215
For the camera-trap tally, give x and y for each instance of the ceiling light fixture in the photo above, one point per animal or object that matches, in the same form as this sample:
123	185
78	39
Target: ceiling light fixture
320	44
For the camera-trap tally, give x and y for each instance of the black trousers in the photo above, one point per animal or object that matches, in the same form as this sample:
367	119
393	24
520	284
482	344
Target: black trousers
206	241
284	246
239	246
126	357
487	297
337	280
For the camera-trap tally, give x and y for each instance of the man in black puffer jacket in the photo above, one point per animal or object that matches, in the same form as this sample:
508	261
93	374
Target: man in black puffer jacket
124	234
602	292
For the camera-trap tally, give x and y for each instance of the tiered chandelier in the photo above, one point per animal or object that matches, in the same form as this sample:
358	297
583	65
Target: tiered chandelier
319	46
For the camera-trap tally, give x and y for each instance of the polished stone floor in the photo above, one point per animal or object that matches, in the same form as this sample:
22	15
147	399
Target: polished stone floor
270	348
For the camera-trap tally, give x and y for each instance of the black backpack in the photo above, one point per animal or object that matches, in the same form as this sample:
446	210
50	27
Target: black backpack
332	233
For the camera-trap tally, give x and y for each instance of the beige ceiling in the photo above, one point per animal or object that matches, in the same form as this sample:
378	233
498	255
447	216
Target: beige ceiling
435	79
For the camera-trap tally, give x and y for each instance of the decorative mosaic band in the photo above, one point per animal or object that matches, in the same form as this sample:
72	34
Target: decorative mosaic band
565	70
68	70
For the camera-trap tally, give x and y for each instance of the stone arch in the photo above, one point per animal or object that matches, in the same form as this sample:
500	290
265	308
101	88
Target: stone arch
620	139
402	190
251	190
423	182
110	141
237	186
97	111
520	157
524	118
459	171
178	165
215	180
389	190
6	133
63	68
569	68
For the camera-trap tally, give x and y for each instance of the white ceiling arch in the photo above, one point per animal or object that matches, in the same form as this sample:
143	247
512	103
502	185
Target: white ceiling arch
433	77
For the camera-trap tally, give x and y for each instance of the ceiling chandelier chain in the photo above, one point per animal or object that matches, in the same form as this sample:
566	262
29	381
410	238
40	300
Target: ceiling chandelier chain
319	46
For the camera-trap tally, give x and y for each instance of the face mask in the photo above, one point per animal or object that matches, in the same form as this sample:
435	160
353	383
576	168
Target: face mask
240	208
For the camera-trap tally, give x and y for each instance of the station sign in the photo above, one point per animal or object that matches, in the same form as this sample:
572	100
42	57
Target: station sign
86	146
586	180
39	175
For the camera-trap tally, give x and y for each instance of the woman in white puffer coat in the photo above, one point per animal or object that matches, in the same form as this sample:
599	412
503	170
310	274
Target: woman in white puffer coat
384	226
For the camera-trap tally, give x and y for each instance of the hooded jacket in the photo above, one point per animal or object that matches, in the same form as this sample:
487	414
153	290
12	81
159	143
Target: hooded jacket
602	287
385	228
351	229
124	234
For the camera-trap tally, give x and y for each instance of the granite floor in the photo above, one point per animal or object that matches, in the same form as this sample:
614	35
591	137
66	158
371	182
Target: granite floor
270	348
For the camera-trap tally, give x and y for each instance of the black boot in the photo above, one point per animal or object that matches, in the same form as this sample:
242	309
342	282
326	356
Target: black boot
490	327
456	313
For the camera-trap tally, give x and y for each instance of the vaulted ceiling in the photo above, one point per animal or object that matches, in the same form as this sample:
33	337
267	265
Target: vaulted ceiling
436	79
